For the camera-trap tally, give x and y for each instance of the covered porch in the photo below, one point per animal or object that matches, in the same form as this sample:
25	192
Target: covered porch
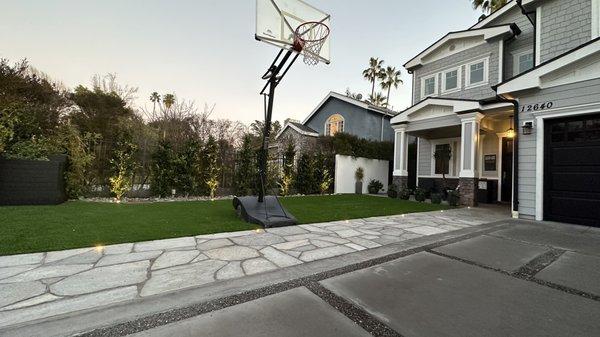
477	134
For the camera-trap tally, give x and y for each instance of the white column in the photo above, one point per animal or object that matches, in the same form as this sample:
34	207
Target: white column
400	151
469	144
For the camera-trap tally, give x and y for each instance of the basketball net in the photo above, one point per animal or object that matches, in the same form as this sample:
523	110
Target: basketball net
309	39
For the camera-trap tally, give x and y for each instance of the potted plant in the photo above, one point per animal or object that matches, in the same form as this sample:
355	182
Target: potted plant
420	194
374	186
405	194
358	175
392	191
453	197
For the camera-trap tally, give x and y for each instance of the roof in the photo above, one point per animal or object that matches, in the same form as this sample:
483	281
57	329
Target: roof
300	128
533	77
359	103
507	30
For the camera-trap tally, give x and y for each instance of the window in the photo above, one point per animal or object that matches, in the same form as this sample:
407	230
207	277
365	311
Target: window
477	73
442	166
451	80
429	86
523	61
334	124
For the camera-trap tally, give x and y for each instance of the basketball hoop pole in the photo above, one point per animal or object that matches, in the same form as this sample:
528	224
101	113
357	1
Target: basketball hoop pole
273	80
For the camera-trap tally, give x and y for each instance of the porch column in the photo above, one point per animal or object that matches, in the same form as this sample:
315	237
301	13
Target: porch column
469	146
400	173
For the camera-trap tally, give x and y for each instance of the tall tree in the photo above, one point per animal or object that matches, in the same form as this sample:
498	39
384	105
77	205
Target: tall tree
378	99
488	6
373	72
155	99
168	101
391	78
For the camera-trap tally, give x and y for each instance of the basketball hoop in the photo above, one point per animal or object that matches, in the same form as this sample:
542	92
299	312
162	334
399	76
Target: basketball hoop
309	39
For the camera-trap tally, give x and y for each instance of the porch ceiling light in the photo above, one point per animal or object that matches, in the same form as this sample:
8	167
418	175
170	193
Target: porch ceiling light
510	133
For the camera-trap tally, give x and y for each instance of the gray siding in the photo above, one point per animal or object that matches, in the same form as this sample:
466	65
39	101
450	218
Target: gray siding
565	25
490	50
562	96
522	42
424	160
357	121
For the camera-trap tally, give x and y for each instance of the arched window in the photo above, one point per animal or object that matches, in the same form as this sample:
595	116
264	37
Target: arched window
334	124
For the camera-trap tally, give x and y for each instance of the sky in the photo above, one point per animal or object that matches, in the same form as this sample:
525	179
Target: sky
205	51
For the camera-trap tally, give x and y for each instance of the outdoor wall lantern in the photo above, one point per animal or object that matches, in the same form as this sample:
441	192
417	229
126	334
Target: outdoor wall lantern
510	133
527	127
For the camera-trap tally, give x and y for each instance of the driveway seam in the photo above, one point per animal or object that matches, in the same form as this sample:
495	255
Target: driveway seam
178	314
526	276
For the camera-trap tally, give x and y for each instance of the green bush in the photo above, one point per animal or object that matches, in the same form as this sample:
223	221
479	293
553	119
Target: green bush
405	194
436	198
453	198
392	191
374	186
306	182
162	170
420	194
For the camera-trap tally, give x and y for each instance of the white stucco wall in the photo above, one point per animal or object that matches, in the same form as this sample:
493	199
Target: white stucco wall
345	167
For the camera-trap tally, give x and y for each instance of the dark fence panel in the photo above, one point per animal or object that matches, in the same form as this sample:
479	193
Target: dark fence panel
32	182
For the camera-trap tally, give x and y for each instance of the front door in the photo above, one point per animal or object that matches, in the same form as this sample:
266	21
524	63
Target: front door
507	169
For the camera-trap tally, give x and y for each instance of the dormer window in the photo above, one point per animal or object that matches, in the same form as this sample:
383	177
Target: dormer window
334	124
429	86
477	73
522	62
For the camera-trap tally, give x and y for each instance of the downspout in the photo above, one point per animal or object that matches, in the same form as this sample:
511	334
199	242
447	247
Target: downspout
515	103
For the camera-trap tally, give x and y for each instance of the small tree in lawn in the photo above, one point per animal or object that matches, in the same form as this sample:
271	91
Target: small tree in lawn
162	169
305	179
211	156
326	181
443	155
287	176
245	172
123	164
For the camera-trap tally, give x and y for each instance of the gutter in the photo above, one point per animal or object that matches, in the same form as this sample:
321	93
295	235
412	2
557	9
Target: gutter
515	103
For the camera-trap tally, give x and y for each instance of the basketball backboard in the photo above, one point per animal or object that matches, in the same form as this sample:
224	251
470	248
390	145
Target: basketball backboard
277	20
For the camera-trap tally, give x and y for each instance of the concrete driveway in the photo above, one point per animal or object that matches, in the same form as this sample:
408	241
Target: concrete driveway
509	278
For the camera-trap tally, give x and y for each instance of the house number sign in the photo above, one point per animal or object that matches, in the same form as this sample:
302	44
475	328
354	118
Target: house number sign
537	106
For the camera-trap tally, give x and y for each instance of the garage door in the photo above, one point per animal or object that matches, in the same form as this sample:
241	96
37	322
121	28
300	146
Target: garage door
572	170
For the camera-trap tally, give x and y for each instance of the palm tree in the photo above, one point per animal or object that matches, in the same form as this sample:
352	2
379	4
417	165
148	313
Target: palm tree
488	6
378	99
169	100
391	78
154	98
373	72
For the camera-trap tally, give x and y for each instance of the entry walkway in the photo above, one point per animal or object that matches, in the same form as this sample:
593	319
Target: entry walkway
42	285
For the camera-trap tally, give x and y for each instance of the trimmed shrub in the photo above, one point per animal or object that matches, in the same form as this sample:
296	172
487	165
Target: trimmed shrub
436	198
405	194
374	186
420	194
453	198
392	191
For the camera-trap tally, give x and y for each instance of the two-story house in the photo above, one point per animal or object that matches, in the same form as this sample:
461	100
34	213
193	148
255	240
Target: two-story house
338	113
516	99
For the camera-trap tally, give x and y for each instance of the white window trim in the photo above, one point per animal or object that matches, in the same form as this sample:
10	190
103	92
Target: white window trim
325	128
516	62
458	80
453	146
595	19
486	75
435	89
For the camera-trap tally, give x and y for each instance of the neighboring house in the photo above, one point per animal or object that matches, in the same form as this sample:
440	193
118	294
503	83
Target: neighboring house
338	113
516	98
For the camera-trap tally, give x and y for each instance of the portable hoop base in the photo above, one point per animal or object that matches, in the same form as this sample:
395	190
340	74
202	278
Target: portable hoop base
269	213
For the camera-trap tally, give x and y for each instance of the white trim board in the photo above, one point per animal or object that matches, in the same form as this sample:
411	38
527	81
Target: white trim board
536	77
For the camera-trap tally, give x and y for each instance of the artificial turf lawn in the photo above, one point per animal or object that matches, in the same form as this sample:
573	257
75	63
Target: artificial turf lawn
76	224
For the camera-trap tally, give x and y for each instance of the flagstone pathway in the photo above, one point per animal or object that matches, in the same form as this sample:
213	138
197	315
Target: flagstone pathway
41	285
